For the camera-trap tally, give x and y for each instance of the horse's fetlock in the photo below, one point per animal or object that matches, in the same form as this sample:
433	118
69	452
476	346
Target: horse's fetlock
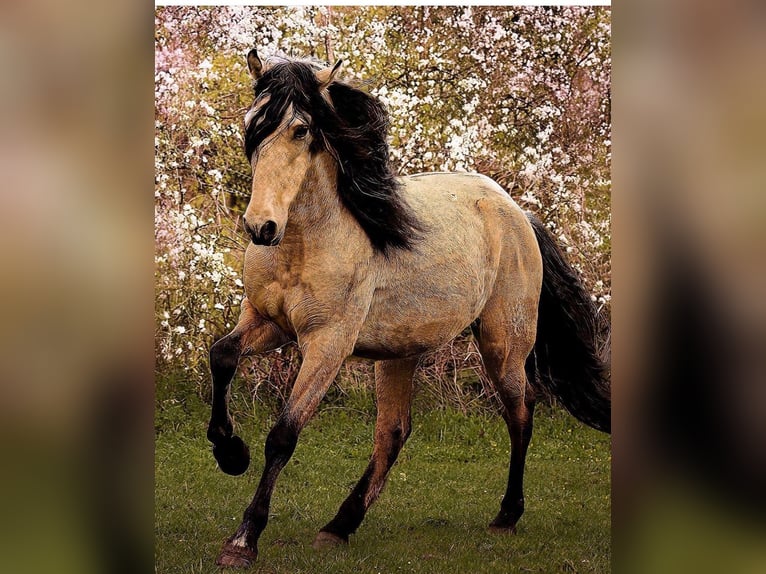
254	521
513	507
216	432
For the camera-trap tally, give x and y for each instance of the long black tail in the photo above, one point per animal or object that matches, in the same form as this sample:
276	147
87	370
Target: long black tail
566	350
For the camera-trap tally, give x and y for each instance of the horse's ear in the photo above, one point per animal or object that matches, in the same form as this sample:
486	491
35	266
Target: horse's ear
327	75
254	64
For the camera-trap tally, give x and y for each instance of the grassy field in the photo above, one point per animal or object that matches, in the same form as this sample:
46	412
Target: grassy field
432	516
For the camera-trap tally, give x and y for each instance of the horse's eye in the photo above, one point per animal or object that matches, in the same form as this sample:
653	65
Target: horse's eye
300	132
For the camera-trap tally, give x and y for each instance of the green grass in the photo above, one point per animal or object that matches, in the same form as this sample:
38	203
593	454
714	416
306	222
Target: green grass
432	516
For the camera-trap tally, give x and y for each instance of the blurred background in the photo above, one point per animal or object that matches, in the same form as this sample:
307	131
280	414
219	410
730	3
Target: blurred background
76	367
80	327
689	319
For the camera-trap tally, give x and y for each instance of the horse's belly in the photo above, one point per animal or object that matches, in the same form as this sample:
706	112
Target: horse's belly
429	296
392	345
396	330
380	352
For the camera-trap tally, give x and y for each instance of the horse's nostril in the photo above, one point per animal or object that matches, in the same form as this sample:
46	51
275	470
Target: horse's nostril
263	235
253	233
268	231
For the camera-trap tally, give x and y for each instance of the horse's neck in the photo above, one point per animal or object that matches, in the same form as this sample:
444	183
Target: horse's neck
318	222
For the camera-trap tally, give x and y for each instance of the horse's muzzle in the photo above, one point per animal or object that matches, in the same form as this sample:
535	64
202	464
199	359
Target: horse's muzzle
265	234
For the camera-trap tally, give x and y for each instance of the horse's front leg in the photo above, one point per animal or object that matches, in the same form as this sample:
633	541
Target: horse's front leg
253	334
323	353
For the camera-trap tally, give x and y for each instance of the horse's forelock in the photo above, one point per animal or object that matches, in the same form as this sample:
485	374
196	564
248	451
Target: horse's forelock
285	84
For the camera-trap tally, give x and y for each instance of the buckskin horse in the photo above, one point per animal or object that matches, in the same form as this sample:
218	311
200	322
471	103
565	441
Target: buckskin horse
346	258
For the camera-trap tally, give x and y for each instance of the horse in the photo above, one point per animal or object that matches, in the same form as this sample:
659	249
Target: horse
345	258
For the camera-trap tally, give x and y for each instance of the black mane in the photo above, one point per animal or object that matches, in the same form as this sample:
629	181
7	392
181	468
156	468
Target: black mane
353	129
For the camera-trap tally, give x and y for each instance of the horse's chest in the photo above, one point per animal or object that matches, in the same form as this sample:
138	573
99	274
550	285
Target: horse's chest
303	294
294	308
268	299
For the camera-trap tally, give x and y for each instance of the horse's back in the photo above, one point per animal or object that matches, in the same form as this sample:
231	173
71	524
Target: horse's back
442	198
456	186
470	209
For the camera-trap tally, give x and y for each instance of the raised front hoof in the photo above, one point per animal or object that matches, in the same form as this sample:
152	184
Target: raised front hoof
236	557
328	540
232	455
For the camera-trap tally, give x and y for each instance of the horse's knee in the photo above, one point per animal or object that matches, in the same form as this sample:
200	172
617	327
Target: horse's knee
406	429
391	440
397	436
402	431
393	433
224	355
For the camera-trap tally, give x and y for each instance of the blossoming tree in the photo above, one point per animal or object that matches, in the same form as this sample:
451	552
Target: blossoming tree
519	94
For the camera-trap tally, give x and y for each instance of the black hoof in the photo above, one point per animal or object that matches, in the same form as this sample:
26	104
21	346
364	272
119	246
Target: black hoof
505	521
232	455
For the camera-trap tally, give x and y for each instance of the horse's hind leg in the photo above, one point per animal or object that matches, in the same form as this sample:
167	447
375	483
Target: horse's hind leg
251	335
393	390
505	355
519	412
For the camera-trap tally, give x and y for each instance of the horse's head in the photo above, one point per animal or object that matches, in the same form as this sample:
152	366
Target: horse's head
304	131
282	140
